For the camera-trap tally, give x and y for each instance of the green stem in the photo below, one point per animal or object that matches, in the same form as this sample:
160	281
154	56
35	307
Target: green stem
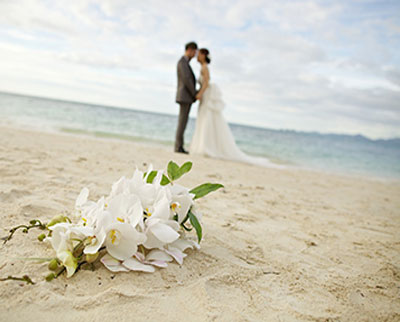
143	250
24	278
60	271
186	228
185	220
34	224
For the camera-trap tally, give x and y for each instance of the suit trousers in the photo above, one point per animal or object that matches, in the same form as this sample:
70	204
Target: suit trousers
182	121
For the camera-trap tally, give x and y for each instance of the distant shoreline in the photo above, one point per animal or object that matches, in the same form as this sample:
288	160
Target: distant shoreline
143	144
393	139
341	154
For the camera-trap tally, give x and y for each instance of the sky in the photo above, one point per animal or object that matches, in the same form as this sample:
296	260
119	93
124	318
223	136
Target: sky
326	66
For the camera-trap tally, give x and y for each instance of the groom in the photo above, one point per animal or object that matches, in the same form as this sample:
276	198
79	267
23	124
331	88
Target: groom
186	93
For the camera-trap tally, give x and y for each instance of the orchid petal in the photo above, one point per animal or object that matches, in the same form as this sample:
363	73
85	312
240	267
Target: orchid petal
158	255
118	187
135	213
134	265
120	205
140	257
81	231
152	241
182	244
112	264
176	254
82	198
127	243
162	209
164	233
69	262
160	264
173	224
93	247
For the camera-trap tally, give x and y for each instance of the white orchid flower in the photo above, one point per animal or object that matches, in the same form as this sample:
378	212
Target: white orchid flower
126	208
148	193
95	242
120	238
160	230
116	227
90	215
65	236
182	200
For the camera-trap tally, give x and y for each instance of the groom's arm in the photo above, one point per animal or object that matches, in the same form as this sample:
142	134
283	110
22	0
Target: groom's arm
186	77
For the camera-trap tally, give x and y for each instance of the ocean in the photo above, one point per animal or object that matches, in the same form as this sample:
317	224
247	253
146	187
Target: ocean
345	154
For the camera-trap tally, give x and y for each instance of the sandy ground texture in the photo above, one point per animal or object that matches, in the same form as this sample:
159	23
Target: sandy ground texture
279	245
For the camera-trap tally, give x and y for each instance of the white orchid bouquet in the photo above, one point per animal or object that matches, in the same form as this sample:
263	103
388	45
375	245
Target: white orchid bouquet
143	223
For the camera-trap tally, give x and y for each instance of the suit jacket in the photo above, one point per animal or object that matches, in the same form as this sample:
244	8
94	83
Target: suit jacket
186	91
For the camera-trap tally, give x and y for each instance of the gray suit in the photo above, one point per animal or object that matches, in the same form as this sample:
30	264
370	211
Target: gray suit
185	96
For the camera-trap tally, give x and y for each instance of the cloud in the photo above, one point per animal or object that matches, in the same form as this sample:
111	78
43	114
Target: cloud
393	75
305	65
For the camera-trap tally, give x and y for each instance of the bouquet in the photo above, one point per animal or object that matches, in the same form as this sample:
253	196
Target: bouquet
144	223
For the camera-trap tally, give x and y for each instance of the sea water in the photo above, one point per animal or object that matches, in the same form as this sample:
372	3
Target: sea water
346	154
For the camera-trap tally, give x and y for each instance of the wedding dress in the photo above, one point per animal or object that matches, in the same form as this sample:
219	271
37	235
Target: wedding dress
212	136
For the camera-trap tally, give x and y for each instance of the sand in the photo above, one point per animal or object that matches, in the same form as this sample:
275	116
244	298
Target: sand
279	244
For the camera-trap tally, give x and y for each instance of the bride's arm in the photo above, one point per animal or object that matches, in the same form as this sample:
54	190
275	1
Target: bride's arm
204	85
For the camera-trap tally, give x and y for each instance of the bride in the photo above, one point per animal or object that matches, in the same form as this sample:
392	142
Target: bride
212	136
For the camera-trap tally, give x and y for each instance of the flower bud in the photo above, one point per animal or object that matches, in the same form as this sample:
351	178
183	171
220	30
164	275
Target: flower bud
56	220
90	258
69	261
53	265
41	237
50	277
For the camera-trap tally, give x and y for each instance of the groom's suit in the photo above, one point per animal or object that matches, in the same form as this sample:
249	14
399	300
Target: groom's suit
185	96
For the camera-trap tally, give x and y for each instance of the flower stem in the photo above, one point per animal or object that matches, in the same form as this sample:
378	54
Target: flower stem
60	271
24	278
33	224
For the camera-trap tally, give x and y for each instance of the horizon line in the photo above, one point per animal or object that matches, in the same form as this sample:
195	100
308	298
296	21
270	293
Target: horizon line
233	123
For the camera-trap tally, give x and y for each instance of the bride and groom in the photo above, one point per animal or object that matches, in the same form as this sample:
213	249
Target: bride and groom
212	136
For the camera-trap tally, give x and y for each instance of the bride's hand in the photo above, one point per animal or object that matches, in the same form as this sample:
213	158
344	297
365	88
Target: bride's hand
198	96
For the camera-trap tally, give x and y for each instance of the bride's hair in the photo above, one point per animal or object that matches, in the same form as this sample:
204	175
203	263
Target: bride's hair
206	53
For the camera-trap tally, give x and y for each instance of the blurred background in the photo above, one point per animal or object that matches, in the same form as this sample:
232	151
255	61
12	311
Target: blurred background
291	70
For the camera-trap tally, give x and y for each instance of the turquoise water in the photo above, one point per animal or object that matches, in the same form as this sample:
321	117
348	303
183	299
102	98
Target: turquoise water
334	153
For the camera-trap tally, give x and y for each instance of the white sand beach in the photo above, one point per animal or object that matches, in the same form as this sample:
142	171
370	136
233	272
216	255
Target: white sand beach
279	244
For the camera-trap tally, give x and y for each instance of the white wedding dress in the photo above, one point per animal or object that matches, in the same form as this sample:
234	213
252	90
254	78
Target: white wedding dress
212	136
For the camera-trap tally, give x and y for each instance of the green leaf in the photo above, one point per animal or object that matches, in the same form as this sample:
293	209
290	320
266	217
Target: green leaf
151	176
164	180
185	168
205	189
196	225
173	170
